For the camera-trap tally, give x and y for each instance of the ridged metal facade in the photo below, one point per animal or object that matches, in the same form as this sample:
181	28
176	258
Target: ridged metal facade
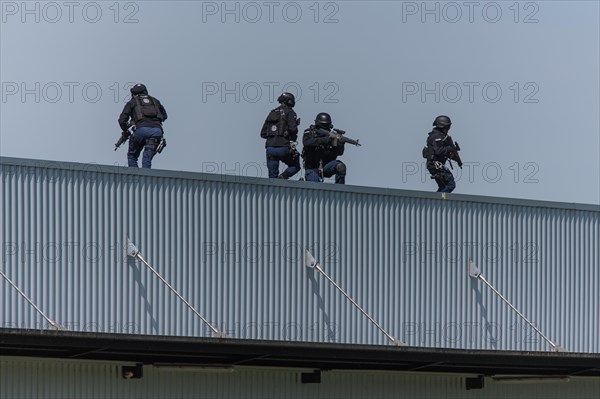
233	247
62	379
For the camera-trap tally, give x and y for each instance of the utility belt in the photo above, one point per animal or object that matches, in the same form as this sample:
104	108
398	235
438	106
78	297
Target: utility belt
439	171
284	135
158	142
293	151
437	162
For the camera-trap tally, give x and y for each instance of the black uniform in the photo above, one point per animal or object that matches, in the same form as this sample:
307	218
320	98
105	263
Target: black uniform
281	130
144	121
440	148
320	155
289	128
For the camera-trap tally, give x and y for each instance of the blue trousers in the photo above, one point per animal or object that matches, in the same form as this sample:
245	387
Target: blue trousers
140	141
282	154
329	169
444	179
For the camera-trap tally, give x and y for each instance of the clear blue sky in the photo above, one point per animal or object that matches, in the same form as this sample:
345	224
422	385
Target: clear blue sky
520	81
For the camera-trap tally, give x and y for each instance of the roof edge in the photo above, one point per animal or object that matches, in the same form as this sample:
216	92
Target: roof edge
160	350
369	190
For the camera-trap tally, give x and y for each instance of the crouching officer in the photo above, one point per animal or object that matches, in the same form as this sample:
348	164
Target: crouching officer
440	148
281	132
147	114
321	149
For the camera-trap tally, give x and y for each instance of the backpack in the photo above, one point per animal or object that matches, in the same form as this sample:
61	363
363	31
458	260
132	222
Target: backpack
146	108
274	124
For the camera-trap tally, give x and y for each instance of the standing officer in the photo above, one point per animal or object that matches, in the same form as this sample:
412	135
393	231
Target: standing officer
146	114
281	132
321	148
439	149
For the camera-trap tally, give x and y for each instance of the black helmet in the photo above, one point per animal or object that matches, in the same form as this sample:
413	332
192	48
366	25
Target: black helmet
287	99
324	120
138	89
442	122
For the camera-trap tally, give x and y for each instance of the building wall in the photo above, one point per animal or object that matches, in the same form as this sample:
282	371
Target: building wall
233	247
23	378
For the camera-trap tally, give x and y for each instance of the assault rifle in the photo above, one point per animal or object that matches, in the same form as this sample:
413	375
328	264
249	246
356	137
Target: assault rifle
338	134
454	156
124	136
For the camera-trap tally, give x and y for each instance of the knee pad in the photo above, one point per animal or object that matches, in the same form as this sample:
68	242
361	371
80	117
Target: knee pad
340	168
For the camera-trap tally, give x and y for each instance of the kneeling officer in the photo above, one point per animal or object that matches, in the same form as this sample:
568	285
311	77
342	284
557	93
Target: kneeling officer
281	132
322	146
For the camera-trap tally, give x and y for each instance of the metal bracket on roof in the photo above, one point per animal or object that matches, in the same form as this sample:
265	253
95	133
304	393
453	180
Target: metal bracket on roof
54	325
311	262
476	273
135	253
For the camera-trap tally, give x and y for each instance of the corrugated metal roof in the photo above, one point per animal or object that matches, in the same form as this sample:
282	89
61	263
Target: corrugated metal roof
233	246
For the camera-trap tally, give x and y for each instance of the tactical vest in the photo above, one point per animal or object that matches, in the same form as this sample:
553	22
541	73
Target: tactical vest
274	124
146	108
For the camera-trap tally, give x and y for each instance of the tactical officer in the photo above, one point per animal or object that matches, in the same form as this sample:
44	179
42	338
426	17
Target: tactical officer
281	132
146	114
440	148
321	148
